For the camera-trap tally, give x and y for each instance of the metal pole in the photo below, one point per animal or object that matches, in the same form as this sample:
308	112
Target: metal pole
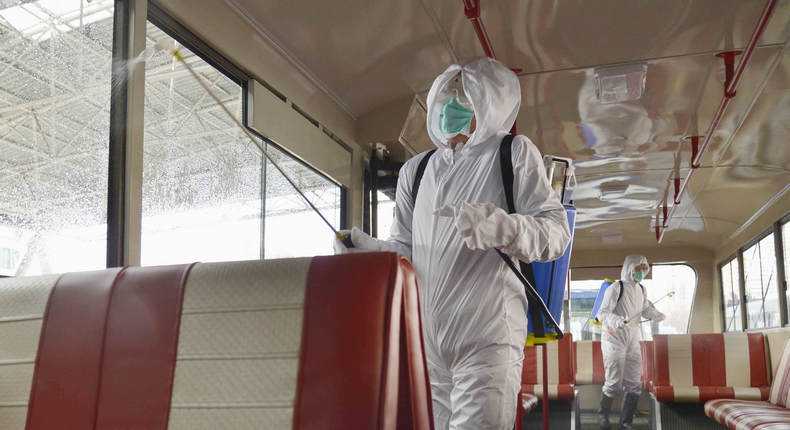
374	194
545	386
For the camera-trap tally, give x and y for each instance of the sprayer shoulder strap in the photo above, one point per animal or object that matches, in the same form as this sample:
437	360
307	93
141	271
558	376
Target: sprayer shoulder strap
644	293
418	176
508	177
506	164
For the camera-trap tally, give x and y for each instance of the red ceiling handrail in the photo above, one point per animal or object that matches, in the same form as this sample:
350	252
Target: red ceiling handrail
729	92
472	11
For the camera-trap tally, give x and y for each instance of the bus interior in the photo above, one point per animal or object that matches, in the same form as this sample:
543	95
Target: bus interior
159	271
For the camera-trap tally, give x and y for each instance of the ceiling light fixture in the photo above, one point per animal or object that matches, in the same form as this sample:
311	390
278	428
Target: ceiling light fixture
622	83
612	190
612	238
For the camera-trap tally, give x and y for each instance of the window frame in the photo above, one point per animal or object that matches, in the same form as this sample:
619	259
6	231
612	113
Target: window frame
119	217
652	266
781	273
736	259
744	309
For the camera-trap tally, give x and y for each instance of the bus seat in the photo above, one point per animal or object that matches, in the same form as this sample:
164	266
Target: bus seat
23	302
560	371
757	415
702	367
588	363
327	342
528	402
775	339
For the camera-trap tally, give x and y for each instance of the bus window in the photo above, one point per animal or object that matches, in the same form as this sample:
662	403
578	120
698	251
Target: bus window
54	129
583	295
786	249
291	227
201	176
762	300
207	196
386	216
679	278
730	296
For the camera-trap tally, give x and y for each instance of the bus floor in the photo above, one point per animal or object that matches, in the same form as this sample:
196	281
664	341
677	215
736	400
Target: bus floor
590	421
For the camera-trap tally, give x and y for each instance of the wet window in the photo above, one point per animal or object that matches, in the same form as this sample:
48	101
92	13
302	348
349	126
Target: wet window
292	228
201	175
55	73
207	193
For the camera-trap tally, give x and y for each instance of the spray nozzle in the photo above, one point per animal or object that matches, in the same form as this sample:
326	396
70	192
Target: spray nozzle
165	45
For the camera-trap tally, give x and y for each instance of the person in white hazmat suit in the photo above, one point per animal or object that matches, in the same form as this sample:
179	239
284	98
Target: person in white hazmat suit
474	311
622	358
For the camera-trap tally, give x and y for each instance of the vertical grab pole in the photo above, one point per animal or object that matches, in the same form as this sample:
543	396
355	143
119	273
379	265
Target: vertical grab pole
545	386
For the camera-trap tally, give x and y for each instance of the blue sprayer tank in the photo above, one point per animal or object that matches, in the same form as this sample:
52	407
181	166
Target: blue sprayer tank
606	283
551	279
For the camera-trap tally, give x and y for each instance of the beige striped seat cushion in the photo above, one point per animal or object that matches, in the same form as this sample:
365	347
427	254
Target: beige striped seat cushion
238	349
22	305
757	415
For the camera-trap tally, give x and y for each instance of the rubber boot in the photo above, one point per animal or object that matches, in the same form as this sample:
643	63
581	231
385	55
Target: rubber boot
603	412
627	411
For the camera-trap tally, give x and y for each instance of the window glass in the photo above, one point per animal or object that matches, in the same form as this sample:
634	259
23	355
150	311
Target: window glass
786	248
682	281
762	299
386	215
583	295
679	278
54	128
730	296
201	175
292	228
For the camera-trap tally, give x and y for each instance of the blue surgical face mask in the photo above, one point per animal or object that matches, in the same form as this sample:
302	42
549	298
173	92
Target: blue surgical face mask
639	277
456	117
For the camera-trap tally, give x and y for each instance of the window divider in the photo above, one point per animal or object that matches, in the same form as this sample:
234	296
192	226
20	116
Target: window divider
125	168
780	272
742	289
722	298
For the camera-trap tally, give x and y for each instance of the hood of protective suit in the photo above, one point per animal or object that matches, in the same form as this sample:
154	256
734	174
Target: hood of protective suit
631	262
493	90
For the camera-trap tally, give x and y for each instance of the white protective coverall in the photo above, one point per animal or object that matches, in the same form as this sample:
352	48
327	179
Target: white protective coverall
622	358
475	310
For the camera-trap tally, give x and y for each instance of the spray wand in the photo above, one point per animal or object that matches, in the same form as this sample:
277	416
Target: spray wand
598	324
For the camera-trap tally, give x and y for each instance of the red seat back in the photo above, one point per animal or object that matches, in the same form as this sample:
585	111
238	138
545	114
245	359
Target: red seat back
700	367
328	342
560	369
588	363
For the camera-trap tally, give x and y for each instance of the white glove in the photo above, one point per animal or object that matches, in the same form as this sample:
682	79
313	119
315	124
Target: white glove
482	225
362	242
619	323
